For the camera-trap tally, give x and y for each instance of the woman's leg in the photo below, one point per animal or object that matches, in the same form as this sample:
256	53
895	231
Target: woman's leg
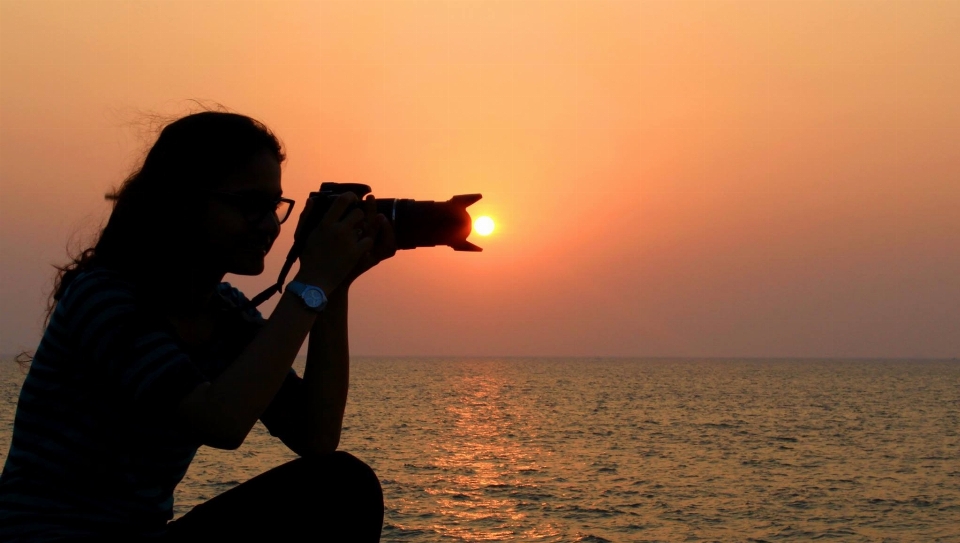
333	497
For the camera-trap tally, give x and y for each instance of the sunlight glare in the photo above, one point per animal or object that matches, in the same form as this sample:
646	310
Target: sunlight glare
483	225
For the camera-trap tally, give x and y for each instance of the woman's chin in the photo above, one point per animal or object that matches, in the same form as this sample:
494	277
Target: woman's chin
247	267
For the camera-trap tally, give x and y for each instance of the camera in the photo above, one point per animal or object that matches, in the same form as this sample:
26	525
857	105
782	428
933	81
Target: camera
416	223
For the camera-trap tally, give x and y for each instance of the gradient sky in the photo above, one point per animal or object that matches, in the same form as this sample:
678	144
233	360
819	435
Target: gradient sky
669	178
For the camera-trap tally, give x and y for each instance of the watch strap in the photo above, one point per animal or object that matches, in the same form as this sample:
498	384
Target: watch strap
300	289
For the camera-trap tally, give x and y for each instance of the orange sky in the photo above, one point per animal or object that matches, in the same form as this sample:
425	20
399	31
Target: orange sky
679	178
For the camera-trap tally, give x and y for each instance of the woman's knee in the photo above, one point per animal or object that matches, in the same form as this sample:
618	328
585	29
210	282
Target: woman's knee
350	475
354	468
354	500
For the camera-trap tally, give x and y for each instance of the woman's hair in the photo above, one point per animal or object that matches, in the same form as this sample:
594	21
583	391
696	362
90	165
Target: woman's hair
158	208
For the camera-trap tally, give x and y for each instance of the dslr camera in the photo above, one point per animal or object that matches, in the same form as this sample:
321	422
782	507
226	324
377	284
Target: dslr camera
416	223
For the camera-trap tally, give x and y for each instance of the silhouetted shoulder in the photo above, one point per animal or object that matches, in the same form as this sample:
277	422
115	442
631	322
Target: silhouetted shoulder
95	287
236	299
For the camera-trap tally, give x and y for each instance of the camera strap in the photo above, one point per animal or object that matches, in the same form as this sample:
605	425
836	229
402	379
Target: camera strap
278	286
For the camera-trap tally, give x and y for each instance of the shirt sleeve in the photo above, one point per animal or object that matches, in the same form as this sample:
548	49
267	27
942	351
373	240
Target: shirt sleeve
121	342
249	314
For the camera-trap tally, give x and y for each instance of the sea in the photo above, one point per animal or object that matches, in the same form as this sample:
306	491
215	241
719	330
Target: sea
636	450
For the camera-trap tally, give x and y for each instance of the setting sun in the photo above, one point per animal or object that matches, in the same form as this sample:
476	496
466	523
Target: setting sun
483	226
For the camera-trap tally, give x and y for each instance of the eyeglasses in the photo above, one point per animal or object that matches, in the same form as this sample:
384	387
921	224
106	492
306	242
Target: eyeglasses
255	207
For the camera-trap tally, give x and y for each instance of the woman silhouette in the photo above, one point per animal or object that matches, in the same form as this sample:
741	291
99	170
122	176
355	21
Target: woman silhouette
147	355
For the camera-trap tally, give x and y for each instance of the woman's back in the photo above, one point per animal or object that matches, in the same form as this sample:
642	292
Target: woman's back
94	445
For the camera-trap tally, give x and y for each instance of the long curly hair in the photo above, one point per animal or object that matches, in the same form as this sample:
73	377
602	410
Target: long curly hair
157	209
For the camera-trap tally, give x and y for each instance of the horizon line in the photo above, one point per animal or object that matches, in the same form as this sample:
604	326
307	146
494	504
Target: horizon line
9	357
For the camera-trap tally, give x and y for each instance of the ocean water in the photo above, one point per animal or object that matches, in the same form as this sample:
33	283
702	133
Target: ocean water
637	450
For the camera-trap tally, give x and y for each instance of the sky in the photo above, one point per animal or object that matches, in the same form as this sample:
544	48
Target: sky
706	178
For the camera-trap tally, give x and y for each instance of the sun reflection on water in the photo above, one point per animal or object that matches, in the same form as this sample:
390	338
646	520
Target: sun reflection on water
485	463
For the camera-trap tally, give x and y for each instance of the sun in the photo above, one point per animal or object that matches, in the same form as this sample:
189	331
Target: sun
483	225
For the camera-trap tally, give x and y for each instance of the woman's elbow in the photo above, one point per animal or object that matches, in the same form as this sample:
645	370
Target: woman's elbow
225	439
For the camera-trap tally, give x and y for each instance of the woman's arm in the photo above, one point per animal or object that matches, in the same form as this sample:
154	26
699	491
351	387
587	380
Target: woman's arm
222	412
327	373
326	376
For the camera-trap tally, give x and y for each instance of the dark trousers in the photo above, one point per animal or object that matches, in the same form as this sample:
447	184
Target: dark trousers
333	497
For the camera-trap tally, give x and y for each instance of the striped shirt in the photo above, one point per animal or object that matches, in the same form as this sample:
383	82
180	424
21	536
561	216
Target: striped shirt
95	446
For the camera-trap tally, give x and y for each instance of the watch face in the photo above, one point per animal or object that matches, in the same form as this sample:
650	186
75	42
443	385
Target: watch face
313	297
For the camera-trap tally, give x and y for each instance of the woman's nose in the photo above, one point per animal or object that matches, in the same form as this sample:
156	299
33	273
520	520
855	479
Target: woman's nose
269	223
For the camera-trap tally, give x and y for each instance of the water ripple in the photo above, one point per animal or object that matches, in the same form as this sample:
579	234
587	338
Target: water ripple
641	450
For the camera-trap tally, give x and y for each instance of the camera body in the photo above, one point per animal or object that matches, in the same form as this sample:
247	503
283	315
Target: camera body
416	223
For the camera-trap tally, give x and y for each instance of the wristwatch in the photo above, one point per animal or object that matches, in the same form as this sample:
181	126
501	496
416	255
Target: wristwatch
312	296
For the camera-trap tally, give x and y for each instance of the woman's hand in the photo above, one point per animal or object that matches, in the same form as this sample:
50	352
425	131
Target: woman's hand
336	246
376	227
